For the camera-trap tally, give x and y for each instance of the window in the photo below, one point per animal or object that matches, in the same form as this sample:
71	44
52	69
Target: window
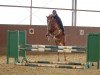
10	15
88	19
21	15
88	4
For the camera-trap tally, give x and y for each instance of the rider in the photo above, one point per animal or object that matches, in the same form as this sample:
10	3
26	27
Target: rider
58	20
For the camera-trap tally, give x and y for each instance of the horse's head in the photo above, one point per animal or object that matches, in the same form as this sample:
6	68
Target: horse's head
50	22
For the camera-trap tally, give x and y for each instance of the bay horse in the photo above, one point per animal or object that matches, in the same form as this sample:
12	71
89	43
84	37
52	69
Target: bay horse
54	31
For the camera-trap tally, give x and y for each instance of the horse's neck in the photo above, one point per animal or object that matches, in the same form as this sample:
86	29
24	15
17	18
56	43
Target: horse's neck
57	26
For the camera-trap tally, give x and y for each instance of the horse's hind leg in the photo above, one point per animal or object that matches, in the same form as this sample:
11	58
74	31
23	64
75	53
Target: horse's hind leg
57	43
58	57
65	56
63	44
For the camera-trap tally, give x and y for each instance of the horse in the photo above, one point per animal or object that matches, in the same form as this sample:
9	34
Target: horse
54	31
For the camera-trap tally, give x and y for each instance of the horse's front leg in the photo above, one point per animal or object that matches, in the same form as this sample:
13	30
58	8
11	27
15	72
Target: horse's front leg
48	36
